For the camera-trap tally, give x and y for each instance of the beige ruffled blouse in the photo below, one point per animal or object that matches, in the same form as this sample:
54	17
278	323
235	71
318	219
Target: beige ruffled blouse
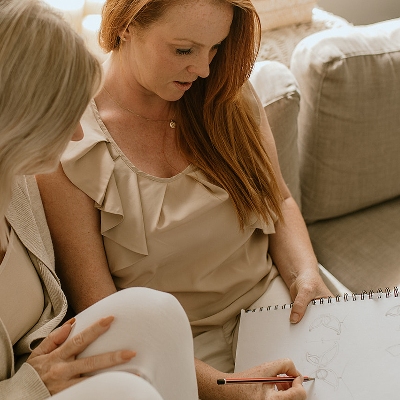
179	235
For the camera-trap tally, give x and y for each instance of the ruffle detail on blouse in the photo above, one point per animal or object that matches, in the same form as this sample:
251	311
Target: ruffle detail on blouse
258	223
90	166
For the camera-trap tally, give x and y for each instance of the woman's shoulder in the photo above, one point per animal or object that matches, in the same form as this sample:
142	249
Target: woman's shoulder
88	163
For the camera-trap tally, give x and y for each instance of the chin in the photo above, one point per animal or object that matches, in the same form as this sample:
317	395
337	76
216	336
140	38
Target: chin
176	98
171	94
172	97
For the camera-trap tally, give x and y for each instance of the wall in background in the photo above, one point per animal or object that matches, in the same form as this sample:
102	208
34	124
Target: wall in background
84	17
361	12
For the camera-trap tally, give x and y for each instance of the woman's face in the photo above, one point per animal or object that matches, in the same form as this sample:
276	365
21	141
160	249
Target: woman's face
166	57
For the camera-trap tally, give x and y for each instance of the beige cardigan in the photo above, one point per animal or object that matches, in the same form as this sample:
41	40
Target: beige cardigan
26	216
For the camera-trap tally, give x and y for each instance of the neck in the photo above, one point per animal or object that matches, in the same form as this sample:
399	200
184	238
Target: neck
129	94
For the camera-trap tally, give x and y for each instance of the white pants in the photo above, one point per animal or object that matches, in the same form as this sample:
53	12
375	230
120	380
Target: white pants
111	385
153	324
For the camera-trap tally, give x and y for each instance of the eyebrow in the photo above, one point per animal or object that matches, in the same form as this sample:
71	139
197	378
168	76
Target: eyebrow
196	43
191	41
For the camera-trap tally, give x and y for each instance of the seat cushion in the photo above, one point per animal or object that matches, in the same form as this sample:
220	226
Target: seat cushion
361	249
349	121
279	94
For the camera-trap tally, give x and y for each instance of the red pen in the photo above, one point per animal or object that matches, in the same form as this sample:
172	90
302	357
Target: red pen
273	379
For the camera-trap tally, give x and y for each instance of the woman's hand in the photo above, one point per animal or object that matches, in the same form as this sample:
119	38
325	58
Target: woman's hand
307	286
209	389
55	358
293	391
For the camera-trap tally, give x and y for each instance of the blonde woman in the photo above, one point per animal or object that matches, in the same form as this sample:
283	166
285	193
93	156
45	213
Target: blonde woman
47	78
176	185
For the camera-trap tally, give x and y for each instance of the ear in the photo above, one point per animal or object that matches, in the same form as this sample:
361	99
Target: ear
124	35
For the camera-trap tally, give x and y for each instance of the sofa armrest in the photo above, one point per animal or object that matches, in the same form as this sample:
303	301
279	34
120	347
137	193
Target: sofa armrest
280	97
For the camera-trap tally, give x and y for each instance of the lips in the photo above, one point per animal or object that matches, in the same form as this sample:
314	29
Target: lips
183	85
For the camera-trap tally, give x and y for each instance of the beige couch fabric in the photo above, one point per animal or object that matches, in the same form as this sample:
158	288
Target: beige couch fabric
349	124
362	249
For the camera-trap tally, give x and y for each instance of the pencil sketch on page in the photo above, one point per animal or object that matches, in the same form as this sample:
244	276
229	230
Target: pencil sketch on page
328	321
321	361
395	349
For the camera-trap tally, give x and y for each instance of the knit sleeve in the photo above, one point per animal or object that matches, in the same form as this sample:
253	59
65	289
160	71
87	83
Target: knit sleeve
25	384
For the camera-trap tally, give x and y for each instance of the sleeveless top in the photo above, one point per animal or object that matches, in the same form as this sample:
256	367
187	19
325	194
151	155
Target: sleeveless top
179	235
21	293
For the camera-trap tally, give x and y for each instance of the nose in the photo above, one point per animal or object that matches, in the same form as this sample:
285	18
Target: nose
201	66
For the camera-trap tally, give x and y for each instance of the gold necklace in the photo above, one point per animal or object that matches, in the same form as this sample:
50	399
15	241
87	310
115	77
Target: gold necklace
172	123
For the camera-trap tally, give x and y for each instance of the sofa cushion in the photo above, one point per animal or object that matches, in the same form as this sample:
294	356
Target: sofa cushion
349	122
361	249
279	95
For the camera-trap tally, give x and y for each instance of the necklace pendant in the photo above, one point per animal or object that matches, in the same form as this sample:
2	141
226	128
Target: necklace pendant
172	124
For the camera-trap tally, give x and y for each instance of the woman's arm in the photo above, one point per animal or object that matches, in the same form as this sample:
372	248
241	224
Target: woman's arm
74	224
292	253
290	246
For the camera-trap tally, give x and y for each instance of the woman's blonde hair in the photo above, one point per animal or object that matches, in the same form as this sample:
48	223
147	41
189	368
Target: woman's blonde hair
217	129
47	78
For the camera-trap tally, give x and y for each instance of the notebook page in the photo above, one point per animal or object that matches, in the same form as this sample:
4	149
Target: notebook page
352	348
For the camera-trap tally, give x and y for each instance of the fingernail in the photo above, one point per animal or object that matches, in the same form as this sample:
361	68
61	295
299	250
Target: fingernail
71	321
127	354
106	321
294	318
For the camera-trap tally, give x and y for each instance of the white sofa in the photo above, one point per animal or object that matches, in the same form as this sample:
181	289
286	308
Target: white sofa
335	116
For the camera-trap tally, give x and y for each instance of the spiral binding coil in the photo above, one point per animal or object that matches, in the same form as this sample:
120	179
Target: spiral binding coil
346	297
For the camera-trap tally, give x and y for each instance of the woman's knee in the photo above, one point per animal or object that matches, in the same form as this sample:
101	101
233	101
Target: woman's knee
147	304
146	321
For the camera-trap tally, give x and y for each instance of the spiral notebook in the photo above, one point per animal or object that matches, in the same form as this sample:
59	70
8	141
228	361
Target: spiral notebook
350	344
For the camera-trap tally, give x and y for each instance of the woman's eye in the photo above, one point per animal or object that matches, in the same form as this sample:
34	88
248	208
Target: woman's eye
183	52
